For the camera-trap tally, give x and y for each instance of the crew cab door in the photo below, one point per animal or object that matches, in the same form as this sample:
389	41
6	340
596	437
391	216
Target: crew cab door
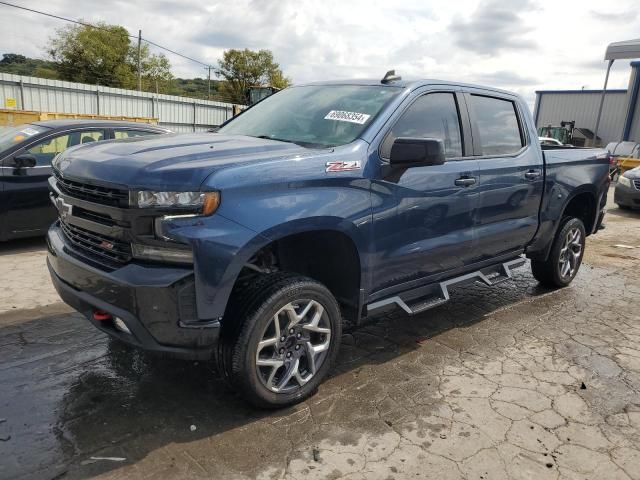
423	216
511	174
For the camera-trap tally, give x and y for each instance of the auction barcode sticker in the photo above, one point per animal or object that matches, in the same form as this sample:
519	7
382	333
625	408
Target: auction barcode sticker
352	117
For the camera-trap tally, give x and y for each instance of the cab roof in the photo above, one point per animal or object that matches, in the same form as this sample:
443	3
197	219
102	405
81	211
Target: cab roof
407	84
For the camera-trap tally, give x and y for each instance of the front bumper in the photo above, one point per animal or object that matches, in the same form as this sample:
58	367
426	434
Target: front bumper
156	303
627	196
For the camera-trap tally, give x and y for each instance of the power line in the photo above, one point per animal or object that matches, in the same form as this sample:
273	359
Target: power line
175	53
77	22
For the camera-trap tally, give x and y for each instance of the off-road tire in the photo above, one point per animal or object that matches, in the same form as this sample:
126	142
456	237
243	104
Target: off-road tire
548	272
250	310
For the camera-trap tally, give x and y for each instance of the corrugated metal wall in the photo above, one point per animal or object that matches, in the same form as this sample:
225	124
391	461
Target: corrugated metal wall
554	107
180	114
634	134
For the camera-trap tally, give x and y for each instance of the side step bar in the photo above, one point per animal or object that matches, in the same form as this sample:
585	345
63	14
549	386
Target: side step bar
423	298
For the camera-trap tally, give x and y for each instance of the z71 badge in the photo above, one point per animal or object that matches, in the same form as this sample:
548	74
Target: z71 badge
343	166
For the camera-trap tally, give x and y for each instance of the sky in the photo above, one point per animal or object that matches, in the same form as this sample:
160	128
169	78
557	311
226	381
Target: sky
518	45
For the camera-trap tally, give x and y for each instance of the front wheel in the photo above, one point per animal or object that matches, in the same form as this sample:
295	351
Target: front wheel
565	257
288	337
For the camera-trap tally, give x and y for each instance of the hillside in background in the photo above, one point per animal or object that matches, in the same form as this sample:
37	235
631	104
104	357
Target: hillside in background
184	87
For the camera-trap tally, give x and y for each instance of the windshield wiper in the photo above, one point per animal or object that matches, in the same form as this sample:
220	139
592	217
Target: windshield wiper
299	143
268	137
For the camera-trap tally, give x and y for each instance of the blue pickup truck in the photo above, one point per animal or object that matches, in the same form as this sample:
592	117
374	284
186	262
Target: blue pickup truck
317	207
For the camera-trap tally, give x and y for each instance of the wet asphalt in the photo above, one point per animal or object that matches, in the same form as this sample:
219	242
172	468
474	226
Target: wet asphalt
74	404
70	393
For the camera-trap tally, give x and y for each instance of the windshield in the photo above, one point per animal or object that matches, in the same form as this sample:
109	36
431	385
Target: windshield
315	115
13	135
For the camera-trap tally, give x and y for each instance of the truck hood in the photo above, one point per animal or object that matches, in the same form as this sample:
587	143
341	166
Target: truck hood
168	162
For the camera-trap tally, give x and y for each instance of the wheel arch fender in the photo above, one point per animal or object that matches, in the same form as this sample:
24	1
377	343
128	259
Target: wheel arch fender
322	227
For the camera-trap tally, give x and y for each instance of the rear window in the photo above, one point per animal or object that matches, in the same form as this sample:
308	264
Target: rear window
119	134
497	125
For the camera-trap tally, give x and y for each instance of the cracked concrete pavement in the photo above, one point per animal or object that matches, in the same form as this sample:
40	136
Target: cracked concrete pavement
511	382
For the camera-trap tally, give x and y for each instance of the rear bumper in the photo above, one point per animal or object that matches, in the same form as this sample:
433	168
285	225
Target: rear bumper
627	196
157	304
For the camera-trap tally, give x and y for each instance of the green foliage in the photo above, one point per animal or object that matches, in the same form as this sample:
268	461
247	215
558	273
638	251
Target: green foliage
105	56
93	55
242	69
21	65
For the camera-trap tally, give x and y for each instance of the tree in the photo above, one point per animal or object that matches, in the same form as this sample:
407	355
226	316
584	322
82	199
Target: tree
242	69
104	55
93	55
156	70
12	58
20	65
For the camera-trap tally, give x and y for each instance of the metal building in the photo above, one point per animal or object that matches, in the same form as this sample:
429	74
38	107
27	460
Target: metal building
620	113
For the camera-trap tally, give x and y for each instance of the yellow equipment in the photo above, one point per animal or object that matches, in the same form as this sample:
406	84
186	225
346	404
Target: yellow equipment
627	163
9	118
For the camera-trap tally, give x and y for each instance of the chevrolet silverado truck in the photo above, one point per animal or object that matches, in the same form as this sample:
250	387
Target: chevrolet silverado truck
317	207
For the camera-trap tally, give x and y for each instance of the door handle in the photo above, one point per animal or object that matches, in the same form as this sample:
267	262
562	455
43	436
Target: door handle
532	174
465	181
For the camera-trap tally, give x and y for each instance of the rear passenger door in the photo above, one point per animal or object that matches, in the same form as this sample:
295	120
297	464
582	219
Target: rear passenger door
511	174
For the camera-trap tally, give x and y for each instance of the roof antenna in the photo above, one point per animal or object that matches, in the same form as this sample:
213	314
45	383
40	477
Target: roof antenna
390	76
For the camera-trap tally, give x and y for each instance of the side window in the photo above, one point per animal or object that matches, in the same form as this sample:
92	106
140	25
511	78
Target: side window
434	115
47	149
497	125
118	134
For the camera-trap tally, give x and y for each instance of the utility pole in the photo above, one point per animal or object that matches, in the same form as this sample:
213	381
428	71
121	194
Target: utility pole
139	61
209	82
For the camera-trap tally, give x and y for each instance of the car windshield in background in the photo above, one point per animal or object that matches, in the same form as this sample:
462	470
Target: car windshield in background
13	135
314	115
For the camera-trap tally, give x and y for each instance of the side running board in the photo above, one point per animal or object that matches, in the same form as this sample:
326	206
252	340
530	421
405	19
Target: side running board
423	298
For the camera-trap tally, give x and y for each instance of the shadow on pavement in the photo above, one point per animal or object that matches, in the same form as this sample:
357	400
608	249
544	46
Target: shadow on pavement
23	245
626	213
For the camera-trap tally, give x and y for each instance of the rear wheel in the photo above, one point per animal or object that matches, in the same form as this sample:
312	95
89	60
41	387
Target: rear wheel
285	343
565	257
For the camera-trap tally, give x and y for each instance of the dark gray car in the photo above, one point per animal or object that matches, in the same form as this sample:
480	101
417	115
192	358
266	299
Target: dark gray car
26	152
627	194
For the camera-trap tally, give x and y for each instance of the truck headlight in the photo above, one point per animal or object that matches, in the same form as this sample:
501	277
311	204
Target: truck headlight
622	180
204	203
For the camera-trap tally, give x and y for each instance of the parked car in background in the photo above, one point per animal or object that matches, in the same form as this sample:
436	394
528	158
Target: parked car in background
26	152
627	193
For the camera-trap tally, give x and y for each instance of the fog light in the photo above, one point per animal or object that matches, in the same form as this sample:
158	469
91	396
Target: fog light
162	254
101	315
120	325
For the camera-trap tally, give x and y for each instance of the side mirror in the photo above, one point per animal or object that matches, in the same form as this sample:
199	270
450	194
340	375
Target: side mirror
416	152
25	160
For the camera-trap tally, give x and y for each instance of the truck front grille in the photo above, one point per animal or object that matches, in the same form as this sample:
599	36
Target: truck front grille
92	193
99	246
636	182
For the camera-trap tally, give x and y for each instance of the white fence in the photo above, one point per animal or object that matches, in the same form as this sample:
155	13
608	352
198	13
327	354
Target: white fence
179	114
